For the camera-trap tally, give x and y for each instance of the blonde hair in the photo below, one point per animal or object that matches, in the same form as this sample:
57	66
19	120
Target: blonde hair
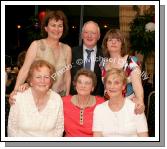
118	72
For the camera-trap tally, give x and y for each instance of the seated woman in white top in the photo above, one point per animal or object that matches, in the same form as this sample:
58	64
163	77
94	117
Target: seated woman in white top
38	111
116	116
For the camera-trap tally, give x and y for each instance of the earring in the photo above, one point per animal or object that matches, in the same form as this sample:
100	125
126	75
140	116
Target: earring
124	92
106	96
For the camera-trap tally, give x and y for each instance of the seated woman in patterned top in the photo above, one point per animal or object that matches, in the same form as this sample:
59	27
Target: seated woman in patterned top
114	51
38	111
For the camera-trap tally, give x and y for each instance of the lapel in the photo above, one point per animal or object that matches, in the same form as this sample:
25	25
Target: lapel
78	57
98	56
80	52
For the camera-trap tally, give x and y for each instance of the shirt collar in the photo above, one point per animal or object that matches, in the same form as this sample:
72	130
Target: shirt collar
94	48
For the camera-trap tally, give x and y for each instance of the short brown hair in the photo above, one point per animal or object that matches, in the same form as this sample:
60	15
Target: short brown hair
38	64
113	33
87	73
57	15
118	72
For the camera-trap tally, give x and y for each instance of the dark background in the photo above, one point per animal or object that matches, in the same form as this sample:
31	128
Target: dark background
17	40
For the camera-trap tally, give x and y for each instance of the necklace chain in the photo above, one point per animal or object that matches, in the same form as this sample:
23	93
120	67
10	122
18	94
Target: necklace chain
83	106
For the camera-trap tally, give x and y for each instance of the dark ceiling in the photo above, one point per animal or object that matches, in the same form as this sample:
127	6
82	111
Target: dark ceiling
89	10
21	14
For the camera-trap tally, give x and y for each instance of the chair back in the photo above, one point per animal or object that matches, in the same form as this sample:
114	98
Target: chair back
151	114
151	104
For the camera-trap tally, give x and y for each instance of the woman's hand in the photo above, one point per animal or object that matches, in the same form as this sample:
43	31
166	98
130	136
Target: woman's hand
21	88
12	100
139	106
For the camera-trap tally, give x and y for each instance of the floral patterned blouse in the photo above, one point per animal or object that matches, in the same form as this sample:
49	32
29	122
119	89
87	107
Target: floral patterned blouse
131	63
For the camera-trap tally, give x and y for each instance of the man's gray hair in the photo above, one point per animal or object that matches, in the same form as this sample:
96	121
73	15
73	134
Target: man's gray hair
98	28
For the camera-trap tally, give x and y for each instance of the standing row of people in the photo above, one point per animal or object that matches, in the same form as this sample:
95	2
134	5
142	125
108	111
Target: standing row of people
77	119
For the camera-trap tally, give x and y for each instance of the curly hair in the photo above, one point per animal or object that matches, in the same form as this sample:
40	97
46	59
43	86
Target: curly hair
38	64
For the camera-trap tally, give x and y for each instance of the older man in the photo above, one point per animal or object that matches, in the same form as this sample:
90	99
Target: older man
88	55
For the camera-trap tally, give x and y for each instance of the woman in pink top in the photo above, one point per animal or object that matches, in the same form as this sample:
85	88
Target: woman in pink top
78	109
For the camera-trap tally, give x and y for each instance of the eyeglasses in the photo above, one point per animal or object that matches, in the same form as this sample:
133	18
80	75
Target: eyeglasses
114	39
84	82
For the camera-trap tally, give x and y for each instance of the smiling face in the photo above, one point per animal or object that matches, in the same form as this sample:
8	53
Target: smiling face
90	34
41	79
54	28
84	85
114	85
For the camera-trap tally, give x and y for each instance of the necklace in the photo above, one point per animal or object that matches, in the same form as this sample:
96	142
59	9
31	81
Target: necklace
82	108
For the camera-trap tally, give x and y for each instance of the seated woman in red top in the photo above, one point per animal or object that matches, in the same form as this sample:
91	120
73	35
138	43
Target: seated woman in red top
78	109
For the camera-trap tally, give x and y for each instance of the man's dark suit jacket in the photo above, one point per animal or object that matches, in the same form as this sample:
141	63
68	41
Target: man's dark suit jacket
77	56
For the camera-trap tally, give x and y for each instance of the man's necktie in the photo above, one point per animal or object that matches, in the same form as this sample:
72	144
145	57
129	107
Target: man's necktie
88	59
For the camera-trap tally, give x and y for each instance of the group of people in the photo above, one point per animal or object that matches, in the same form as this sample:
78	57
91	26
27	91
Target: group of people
102	96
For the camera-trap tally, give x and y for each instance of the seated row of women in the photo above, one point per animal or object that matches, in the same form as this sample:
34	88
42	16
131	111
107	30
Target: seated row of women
40	112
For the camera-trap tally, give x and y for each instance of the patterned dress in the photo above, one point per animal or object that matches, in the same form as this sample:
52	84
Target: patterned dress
44	52
131	63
